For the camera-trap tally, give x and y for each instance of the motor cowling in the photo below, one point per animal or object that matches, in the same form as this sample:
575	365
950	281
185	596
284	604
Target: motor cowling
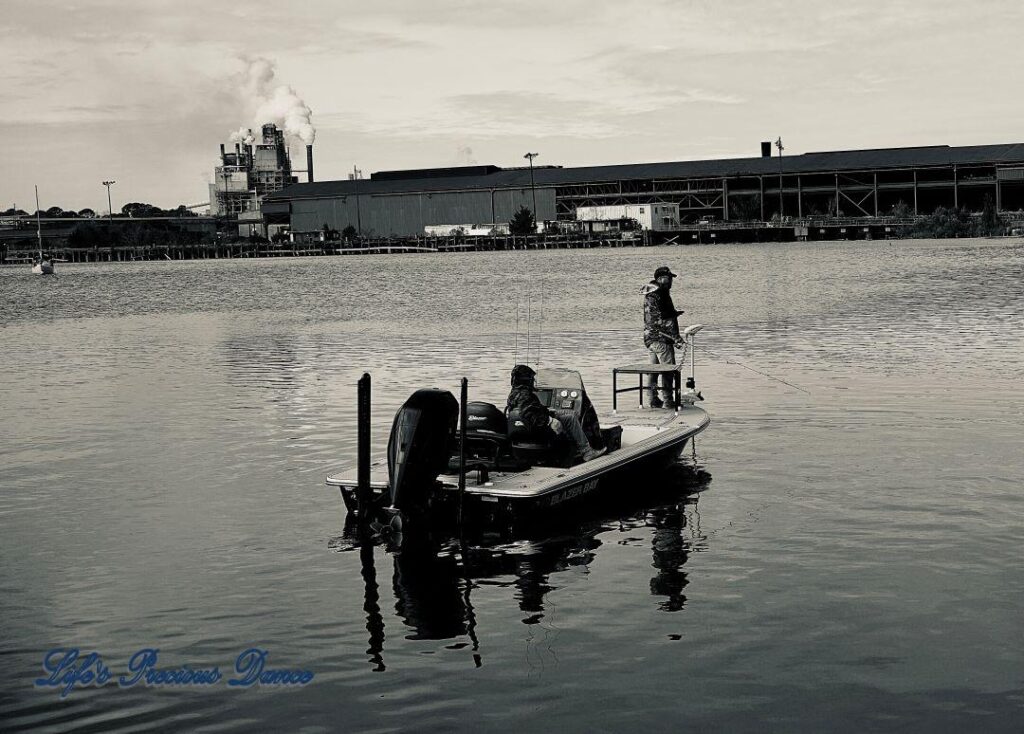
421	441
485	420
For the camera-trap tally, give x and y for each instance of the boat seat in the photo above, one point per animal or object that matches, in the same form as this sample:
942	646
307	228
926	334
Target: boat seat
502	460
561	450
487	443
544	448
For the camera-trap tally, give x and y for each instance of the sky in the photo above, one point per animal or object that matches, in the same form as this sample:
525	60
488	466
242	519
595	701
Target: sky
143	91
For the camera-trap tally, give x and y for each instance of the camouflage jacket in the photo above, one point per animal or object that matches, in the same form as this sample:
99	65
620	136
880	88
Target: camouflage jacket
531	409
661	320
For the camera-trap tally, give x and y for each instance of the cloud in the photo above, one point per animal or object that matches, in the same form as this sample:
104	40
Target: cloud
357	39
519	114
495	17
596	81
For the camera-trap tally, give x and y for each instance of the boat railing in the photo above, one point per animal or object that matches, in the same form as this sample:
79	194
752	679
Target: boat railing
684	341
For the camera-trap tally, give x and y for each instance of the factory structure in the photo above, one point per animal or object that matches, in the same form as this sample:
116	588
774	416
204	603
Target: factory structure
861	184
257	167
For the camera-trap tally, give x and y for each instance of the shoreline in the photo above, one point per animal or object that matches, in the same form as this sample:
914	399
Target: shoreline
160	254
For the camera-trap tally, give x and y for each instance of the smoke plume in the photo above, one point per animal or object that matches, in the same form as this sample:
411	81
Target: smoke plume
242	135
270	102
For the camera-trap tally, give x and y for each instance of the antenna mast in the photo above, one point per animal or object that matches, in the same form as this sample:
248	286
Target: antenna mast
515	359
39	226
528	298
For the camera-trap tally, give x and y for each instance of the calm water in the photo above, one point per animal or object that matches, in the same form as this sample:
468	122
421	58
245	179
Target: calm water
854	565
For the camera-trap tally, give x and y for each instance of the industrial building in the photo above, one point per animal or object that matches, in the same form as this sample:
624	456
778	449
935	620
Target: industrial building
856	183
654	217
245	177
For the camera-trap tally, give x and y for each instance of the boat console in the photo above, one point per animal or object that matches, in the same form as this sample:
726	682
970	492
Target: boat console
493	442
562	389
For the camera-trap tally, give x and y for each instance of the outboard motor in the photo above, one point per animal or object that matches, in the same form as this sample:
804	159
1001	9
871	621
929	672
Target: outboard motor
419	446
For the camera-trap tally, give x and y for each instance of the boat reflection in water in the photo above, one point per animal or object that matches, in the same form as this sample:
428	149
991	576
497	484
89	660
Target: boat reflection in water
433	576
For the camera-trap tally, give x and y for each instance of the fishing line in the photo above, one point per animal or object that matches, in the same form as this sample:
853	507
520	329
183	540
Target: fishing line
540	330
729	361
757	372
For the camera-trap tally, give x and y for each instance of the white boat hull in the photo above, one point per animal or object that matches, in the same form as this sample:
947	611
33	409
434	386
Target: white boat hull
646	435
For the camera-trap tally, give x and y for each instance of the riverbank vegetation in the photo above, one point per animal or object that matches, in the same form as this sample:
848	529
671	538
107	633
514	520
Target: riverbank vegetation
954	222
131	209
143	234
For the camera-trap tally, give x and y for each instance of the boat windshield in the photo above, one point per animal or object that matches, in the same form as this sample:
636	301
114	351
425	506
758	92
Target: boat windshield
556	377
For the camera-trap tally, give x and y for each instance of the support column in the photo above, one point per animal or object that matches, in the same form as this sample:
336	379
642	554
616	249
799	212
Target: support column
761	179
999	194
837	195
916	212
956	190
799	197
876	194
725	200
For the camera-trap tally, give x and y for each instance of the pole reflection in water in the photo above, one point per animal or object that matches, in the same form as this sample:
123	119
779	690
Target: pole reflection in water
371	605
470	612
434	575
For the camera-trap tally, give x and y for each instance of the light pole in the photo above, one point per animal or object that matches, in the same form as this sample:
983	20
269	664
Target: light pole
110	208
778	144
533	188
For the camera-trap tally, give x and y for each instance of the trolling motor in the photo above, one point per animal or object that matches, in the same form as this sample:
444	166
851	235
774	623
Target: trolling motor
687	338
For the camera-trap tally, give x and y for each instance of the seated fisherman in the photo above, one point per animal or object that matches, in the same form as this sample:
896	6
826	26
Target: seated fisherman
536	416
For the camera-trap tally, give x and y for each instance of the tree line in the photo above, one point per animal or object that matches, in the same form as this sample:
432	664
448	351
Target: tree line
133	209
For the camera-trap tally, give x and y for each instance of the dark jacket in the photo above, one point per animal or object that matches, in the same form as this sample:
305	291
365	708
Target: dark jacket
661	320
531	409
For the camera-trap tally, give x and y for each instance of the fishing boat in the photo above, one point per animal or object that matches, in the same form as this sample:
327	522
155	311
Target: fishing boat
446	455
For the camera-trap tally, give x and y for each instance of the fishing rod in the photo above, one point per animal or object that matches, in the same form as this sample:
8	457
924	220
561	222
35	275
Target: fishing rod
515	359
680	341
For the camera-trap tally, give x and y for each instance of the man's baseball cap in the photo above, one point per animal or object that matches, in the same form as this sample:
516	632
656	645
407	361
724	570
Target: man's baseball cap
663	270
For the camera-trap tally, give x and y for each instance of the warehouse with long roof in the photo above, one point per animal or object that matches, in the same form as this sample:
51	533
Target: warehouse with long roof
855	183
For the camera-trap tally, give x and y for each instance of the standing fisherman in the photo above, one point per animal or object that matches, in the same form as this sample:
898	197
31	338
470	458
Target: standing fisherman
661	330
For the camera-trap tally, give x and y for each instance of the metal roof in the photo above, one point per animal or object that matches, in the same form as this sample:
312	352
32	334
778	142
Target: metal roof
818	162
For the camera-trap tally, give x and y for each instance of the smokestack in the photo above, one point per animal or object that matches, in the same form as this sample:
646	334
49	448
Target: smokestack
309	163
222	154
766	149
238	154
248	153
